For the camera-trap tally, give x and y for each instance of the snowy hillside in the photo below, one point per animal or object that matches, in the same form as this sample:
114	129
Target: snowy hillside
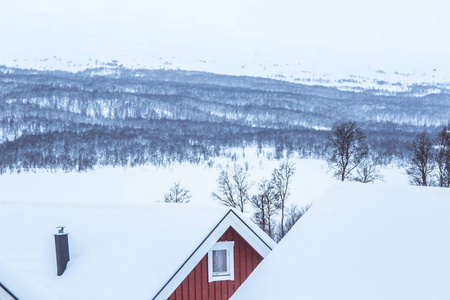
127	117
362	242
385	72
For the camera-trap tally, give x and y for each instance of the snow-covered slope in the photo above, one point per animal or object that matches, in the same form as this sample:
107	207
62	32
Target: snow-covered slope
362	242
21	284
386	71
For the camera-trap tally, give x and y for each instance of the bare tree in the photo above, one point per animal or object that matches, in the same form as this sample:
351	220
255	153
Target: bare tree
225	192
367	172
177	194
242	185
348	148
421	163
233	188
265	204
442	157
281	178
293	215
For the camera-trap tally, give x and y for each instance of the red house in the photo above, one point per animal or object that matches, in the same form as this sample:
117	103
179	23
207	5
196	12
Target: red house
221	263
155	251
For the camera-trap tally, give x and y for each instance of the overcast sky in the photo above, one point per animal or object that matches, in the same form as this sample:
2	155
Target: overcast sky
48	26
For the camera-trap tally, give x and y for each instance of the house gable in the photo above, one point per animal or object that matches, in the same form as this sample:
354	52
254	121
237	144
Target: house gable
196	286
256	239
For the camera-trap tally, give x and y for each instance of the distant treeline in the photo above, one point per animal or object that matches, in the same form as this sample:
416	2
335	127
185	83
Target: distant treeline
75	121
162	144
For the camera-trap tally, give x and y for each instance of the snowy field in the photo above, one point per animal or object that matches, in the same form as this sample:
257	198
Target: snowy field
148	184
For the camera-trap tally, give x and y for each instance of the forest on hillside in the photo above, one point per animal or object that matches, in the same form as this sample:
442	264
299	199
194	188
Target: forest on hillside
129	117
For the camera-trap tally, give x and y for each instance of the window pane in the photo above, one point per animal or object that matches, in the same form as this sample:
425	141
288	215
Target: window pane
220	262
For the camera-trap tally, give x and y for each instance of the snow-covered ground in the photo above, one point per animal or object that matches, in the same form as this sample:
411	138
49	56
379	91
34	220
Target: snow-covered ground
148	184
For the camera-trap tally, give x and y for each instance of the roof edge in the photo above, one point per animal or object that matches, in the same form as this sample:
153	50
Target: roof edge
8	292
229	219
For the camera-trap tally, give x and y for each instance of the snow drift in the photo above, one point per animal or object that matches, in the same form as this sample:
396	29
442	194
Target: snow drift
362	242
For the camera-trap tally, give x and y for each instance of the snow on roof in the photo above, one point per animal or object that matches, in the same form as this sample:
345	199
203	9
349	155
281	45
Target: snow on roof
116	251
15	281
362	242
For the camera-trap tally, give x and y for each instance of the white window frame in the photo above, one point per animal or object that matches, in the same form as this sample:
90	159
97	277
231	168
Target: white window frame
229	247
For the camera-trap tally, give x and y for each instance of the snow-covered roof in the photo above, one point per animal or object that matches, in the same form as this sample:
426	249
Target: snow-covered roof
362	242
116	251
5	294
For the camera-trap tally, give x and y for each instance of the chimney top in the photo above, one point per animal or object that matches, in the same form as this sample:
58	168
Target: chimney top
60	228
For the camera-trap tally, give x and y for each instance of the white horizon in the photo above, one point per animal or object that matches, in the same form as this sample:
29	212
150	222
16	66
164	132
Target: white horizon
413	25
324	39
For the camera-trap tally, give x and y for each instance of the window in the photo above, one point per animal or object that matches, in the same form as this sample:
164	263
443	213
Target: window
221	262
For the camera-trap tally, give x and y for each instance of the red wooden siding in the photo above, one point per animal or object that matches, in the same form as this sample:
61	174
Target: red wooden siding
196	287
